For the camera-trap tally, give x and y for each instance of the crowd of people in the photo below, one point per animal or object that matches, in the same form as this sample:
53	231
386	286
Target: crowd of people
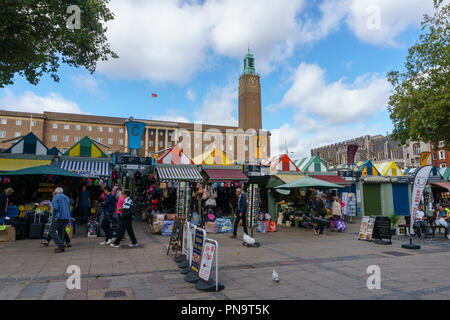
116	206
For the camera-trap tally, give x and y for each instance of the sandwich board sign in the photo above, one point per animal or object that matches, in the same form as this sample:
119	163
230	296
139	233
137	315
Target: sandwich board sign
207	258
197	249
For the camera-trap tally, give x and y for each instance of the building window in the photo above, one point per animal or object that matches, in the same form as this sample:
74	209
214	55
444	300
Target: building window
4	121
100	129
66	138
54	138
121	130
205	147
152	132
89	128
110	130
18	122
441	144
246	147
150	143
160	144
161	133
17	134
99	140
110	141
169	144
197	135
109	152
77	138
230	148
64	150
197	146
66	127
442	155
33	123
416	149
78	127
434	155
2	134
120	142
55	126
443	165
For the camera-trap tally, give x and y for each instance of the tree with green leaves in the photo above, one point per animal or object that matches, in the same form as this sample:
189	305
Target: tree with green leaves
420	102
36	35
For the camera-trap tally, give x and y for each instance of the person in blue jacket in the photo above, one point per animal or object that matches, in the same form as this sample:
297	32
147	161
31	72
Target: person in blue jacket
108	207
61	216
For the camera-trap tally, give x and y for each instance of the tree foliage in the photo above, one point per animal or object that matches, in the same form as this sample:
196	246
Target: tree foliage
34	38
420	103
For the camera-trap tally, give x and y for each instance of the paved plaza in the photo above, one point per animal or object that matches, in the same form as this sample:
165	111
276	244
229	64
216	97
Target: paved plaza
332	266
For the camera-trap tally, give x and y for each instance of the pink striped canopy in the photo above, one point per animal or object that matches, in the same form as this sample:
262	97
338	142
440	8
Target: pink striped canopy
175	156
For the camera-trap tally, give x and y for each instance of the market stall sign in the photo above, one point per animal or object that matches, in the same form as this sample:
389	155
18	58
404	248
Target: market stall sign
197	249
382	228
175	237
366	229
207	259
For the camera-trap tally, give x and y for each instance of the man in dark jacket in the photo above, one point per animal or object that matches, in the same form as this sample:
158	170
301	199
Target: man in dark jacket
108	207
241	212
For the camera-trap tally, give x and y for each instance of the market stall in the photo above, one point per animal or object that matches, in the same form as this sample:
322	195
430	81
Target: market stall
311	164
366	168
280	163
389	169
214	157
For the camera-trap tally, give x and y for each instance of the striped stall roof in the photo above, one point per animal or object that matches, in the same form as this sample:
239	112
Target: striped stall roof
174	173
86	168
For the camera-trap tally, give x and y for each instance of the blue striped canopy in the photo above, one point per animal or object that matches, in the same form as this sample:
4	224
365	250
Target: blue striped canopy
178	174
86	168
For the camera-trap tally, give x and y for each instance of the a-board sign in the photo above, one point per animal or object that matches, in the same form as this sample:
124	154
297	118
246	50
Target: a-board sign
382	228
175	237
366	229
186	235
197	249
207	258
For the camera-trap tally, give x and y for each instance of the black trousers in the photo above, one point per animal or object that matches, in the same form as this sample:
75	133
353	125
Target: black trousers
126	224
66	236
244	223
57	230
106	226
84	213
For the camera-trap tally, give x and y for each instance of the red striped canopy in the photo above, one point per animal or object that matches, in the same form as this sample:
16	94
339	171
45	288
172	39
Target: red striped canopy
175	156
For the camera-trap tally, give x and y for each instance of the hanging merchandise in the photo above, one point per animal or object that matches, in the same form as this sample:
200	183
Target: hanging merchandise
183	199
253	201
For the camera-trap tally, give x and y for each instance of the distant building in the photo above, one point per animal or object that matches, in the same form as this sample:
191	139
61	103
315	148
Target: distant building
377	148
440	156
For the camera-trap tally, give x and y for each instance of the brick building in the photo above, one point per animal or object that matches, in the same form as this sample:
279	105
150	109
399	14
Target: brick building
63	130
440	156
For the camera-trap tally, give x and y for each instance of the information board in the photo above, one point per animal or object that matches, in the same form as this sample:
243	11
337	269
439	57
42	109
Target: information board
197	249
382	228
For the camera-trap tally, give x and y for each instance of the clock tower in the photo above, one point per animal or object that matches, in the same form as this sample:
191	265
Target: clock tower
249	96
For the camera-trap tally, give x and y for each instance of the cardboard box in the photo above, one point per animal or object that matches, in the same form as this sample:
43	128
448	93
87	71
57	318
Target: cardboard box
7	233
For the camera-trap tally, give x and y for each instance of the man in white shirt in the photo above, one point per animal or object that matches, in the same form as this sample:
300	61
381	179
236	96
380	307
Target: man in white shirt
420	224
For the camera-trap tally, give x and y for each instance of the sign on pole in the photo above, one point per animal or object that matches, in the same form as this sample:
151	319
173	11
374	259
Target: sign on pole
207	259
420	180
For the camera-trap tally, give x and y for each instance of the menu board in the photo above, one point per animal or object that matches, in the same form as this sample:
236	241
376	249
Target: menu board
366	230
175	237
197	249
382	228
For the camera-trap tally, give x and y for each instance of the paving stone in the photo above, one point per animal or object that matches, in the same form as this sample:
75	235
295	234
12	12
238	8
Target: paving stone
55	291
75	295
33	290
10	292
99	284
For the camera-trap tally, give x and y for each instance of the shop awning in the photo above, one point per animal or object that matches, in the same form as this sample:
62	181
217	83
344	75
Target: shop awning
175	173
331	179
87	168
309	182
42	170
444	185
12	164
225	175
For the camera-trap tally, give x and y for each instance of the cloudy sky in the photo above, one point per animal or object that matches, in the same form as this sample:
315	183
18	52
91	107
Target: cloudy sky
323	65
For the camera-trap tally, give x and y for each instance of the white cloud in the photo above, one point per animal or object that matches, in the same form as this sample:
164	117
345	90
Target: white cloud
190	94
338	102
30	102
170	40
172	115
88	83
381	21
219	107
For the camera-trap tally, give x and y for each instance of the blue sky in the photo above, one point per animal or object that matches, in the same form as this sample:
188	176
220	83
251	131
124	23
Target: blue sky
322	65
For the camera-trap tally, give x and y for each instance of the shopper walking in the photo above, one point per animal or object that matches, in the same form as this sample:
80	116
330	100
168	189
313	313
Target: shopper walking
4	201
336	211
108	207
61	216
48	238
126	223
241	212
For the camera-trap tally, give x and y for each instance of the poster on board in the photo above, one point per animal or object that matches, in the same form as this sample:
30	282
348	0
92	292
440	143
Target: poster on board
207	258
197	249
366	229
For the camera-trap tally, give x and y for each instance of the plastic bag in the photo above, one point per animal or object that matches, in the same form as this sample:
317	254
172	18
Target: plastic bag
261	227
167	228
224	225
196	220
211	227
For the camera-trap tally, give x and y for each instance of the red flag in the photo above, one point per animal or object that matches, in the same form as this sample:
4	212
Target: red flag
154	95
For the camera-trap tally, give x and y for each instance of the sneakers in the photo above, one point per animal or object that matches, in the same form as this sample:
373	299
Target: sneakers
133	245
110	241
59	249
112	245
103	243
68	245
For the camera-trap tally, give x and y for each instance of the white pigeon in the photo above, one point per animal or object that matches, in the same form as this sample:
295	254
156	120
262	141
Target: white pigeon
248	240
275	276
